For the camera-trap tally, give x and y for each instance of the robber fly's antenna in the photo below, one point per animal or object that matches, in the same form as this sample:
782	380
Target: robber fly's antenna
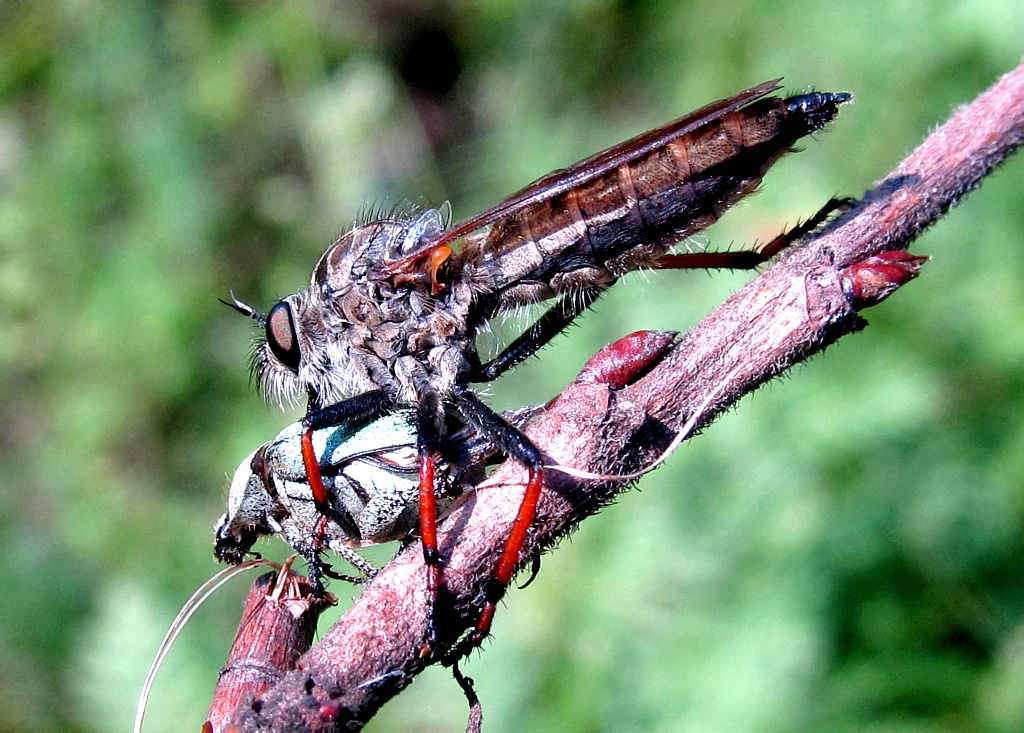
245	310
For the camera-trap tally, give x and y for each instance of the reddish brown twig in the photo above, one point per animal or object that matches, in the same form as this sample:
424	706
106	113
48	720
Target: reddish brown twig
278	623
807	300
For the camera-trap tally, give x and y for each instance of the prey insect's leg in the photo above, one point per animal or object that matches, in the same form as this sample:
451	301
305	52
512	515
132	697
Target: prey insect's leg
429	414
545	328
361	407
357	561
534	569
516	445
749	259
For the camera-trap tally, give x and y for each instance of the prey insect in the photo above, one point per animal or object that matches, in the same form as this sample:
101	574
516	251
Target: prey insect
394	307
370	472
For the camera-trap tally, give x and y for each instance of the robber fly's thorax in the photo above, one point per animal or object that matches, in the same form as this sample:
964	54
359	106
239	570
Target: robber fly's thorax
372	329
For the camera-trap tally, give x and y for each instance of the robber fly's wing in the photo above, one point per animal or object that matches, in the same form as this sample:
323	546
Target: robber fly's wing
562	180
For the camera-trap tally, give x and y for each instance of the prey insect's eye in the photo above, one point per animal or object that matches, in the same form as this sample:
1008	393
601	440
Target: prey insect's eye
281	335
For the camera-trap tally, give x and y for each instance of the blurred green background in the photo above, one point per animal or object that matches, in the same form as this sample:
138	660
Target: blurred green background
843	551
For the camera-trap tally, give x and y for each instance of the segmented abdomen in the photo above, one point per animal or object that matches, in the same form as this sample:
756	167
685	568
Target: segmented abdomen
593	233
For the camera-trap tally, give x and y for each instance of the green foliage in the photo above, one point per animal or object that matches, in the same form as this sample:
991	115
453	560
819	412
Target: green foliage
844	551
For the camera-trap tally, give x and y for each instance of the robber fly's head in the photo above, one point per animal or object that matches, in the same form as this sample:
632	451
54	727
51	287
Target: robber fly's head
309	340
301	349
281	346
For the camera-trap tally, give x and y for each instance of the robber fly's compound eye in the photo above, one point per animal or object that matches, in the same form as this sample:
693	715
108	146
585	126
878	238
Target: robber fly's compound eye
281	335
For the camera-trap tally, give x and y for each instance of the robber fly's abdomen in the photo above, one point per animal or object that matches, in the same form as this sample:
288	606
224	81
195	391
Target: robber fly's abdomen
593	233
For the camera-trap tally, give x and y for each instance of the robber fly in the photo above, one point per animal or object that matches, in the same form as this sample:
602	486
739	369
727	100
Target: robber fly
393	309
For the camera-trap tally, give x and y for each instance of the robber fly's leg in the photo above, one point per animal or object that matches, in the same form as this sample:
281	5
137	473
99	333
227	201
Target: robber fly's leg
534	569
429	415
749	259
802	230
316	570
361	407
536	336
516	445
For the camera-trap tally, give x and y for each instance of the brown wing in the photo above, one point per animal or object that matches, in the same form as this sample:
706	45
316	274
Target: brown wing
562	180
